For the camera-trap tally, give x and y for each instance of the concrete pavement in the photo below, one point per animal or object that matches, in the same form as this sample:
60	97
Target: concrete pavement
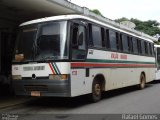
122	101
10	101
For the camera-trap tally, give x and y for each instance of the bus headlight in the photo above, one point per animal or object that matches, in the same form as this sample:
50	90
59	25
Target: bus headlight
58	77
16	77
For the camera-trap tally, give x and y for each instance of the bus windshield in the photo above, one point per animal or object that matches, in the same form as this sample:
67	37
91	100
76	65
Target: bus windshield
44	41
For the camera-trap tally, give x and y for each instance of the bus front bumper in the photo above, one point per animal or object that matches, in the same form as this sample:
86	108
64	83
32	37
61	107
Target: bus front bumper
42	87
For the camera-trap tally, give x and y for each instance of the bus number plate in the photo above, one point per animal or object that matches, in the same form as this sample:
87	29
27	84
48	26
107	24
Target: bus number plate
35	93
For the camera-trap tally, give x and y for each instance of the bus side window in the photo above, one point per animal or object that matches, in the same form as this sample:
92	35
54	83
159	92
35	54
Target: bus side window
79	42
90	42
130	44
146	47
153	52
103	37
120	42
107	39
139	46
149	49
117	41
135	45
112	38
96	36
143	47
125	43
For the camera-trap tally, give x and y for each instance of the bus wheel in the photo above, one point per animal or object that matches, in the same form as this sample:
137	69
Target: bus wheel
96	91
142	81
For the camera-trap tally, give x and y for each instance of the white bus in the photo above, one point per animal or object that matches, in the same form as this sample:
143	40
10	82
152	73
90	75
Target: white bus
157	55
73	55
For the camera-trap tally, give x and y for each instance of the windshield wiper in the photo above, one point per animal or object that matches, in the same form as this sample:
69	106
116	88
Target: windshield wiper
46	59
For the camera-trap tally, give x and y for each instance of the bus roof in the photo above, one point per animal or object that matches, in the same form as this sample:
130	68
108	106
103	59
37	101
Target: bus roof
69	17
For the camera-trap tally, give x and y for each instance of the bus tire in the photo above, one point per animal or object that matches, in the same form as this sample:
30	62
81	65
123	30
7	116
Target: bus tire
96	91
142	81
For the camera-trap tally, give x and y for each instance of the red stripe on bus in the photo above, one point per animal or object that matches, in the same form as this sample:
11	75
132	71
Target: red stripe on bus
109	65
51	68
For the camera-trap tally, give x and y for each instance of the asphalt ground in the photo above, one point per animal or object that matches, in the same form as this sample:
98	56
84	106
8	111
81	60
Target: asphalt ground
128	100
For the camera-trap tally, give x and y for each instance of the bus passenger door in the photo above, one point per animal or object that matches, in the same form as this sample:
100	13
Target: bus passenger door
78	56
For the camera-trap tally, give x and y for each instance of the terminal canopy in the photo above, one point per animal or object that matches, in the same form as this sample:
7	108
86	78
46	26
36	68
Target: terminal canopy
18	11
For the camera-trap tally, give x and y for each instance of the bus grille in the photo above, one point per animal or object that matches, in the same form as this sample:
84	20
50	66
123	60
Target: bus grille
35	88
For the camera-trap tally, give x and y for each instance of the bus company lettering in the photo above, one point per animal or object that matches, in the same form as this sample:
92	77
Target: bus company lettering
123	56
114	56
117	56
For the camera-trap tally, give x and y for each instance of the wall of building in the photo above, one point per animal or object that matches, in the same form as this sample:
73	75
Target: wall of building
13	13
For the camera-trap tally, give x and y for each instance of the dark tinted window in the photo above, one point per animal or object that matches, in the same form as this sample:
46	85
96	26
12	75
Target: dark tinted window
139	46
130	44
125	43
107	39
90	43
118	41
152	49
96	36
112	36
103	37
149	49
135	45
146	47
143	47
158	57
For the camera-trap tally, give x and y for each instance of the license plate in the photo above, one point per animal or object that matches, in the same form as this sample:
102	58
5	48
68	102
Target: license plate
35	93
